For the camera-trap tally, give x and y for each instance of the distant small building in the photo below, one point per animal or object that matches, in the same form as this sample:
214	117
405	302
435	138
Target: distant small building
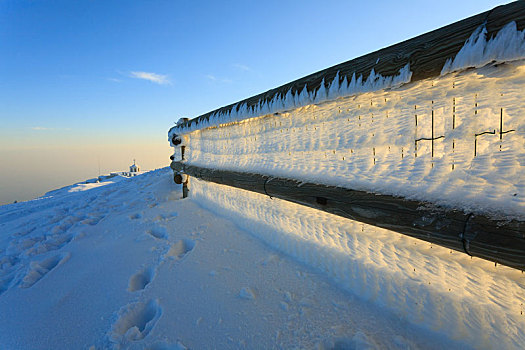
134	168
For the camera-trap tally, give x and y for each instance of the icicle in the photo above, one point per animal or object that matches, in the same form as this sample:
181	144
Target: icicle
304	97
265	108
507	45
333	91
288	101
296	99
352	89
343	88
320	94
273	103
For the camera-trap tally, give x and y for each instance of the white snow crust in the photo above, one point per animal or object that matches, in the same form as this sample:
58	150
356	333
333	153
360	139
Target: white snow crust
128	265
471	300
282	103
478	51
508	45
367	142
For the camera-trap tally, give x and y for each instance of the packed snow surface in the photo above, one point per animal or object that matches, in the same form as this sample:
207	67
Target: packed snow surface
128	264
433	287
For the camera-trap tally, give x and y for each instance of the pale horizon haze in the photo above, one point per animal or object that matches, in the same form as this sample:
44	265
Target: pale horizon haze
86	87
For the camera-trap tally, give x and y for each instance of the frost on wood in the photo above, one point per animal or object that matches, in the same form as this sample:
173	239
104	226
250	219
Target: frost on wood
380	142
507	45
281	103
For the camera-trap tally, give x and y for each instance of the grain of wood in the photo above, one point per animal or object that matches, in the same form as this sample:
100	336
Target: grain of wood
496	240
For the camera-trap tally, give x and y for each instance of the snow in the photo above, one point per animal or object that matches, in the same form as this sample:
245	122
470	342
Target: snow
431	286
376	134
284	103
508	45
125	263
129	265
367	142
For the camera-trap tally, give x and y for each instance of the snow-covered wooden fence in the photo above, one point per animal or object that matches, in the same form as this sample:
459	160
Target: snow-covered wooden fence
425	56
406	138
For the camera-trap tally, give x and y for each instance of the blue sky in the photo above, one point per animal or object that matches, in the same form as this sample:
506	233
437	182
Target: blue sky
105	80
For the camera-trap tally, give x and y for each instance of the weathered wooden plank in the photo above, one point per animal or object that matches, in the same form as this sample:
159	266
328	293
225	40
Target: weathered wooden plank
426	54
477	235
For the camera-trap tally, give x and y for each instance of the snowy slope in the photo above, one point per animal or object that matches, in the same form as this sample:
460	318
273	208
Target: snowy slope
126	264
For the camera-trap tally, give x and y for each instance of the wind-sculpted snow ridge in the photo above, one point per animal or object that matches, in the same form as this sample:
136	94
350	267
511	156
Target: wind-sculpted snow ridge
508	45
380	142
433	287
282	103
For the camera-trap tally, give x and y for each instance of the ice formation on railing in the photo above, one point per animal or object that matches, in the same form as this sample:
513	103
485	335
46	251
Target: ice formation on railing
381	142
507	45
281	103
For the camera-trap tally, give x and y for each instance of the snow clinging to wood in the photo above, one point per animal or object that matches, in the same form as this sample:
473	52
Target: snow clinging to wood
507	45
433	287
381	142
281	103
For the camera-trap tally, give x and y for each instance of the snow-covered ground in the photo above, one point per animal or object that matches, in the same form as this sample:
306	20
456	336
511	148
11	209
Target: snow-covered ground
126	263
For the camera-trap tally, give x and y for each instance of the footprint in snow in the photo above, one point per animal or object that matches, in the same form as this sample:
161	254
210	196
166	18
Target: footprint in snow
359	341
141	279
158	232
180	248
55	242
38	269
159	217
164	217
247	293
135	216
135	321
92	221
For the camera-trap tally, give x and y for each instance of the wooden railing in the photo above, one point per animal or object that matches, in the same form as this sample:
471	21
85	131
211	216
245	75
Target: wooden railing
501	241
426	55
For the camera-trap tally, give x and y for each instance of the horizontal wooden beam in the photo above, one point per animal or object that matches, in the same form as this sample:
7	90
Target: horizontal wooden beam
426	54
477	235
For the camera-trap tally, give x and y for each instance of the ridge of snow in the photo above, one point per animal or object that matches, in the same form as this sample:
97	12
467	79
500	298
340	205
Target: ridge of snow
507	45
433	287
281	103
